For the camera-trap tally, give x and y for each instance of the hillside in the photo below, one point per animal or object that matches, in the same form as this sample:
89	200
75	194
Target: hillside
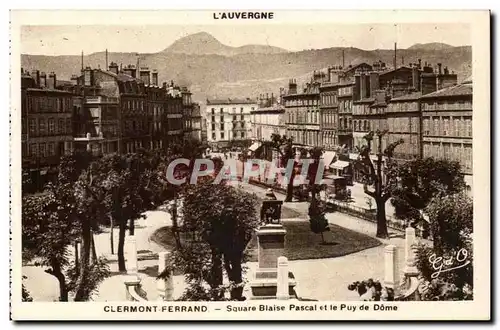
245	75
430	46
205	44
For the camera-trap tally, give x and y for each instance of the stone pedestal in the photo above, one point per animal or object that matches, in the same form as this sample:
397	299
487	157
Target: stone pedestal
271	246
391	267
410	240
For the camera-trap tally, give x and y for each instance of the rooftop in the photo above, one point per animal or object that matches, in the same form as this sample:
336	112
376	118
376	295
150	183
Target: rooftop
275	108
232	101
407	97
457	90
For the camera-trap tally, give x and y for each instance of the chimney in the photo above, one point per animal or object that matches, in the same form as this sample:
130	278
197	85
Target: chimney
395	55
144	76
292	86
415	74
130	70
113	67
106	58
343	59
380	96
43	80
36	75
51	82
439	68
154	77
374	82
356	87
362	86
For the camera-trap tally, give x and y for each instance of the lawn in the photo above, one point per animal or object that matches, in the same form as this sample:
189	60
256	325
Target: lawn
300	242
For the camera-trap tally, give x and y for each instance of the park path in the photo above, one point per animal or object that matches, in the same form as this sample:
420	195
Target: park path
320	279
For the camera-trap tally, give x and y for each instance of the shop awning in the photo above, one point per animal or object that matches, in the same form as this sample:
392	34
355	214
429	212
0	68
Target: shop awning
254	146
333	177
353	156
339	164
328	157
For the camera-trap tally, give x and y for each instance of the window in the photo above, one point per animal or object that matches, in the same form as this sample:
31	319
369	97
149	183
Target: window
32	126
52	125
51	149
242	134
33	151
221	110
234	118
213	136
43	126
468	125
241	109
68	126
242	124
42	150
213	126
242	117
222	135
222	126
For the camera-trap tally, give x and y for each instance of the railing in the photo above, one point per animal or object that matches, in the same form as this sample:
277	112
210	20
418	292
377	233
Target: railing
100	99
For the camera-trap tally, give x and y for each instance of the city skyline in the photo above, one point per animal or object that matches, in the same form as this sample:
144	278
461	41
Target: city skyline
66	40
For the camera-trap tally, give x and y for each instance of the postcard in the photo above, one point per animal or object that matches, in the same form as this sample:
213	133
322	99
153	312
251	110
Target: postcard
244	165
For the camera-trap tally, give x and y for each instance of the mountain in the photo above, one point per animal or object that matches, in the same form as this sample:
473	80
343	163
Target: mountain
431	46
205	44
247	75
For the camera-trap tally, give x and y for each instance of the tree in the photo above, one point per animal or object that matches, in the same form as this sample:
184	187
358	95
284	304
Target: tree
218	221
419	181
120	183
372	176
313	170
451	226
284	146
317	220
48	232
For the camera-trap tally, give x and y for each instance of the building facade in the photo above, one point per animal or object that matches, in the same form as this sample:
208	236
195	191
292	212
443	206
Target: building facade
197	125
229	119
447	125
267	119
302	111
46	119
329	109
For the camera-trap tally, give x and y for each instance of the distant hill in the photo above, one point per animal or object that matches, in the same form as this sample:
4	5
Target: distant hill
246	74
205	44
431	46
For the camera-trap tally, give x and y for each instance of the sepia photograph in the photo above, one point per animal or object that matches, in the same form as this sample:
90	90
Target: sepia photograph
231	164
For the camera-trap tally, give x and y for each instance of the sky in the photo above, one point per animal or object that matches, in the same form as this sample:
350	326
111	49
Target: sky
73	39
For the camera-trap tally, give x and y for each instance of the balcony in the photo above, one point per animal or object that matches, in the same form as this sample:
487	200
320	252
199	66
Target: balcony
101	100
344	131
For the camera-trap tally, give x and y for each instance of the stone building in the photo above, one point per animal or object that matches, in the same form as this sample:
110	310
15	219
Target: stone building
197	125
267	118
121	113
302	111
229	119
329	106
447	125
46	120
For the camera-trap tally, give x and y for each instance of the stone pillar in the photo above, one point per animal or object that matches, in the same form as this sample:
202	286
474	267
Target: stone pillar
282	287
165	286
271	245
391	269
410	240
131	255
